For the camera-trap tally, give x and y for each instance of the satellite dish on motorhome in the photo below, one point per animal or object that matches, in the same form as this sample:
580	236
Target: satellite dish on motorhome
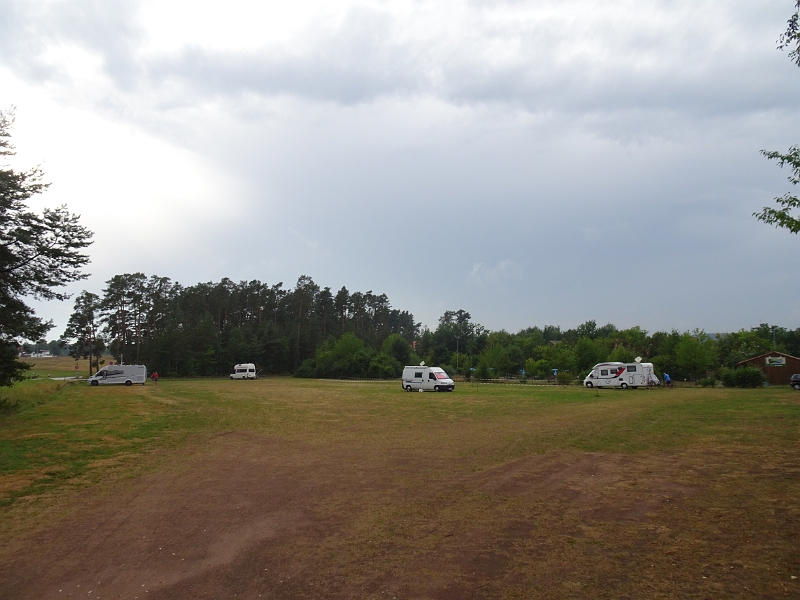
638	359
422	364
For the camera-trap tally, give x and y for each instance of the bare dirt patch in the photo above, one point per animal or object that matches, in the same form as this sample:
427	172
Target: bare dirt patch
255	516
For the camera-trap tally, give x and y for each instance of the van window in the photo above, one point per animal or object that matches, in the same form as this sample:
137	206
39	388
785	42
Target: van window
431	376
441	375
603	372
241	370
632	369
418	375
251	370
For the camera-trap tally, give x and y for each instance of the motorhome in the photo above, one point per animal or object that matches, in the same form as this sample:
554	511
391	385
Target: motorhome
244	371
621	375
423	378
119	374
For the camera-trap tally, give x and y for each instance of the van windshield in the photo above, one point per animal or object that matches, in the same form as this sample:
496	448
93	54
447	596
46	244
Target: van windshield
441	375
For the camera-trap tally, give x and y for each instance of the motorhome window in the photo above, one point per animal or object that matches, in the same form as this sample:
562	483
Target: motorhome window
632	369
441	375
604	373
417	375
431	376
241	370
251	370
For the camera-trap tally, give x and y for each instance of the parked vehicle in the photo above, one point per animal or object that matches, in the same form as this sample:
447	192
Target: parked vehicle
795	381
119	374
621	375
426	378
244	371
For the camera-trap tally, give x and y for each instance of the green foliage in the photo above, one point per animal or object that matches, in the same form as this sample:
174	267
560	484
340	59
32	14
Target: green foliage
346	357
743	377
383	366
588	353
621	354
783	216
38	253
695	353
398	348
564	378
791	37
540	369
483	370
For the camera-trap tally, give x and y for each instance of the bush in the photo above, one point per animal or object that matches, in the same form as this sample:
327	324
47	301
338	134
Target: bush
708	382
564	378
307	369
384	366
743	377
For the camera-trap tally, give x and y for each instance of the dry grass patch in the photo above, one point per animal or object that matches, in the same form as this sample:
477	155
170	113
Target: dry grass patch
301	489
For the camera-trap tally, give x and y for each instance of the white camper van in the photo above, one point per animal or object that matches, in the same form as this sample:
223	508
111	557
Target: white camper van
127	374
621	375
426	378
244	371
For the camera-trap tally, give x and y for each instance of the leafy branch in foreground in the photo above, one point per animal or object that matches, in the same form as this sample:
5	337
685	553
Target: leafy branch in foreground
791	37
783	217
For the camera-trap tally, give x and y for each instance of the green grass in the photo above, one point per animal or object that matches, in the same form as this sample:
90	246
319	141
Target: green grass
63	435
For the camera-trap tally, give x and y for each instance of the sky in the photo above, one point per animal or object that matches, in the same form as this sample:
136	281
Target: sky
542	162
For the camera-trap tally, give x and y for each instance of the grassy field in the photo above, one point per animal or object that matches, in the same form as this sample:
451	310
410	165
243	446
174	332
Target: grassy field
57	366
703	461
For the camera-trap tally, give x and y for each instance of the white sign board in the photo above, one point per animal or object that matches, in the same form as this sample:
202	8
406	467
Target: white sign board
776	361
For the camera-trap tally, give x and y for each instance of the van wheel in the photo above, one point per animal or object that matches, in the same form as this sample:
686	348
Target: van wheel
796	386
129	382
589	384
436	388
95	382
408	388
624	386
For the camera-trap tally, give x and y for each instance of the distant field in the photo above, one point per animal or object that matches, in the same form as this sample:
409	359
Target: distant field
291	488
57	366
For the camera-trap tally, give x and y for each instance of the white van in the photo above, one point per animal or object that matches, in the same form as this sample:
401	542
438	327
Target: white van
127	374
621	375
244	371
426	378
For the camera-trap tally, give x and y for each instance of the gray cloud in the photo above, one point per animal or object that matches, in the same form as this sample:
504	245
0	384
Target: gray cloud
521	156
555	63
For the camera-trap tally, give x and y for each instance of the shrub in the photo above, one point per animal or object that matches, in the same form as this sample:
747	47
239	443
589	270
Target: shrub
307	369
743	377
564	378
708	382
384	366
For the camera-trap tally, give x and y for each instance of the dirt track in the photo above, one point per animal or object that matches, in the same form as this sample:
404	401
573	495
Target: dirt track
252	517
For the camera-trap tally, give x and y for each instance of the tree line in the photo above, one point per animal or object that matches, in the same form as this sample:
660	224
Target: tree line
204	329
309	331
469	349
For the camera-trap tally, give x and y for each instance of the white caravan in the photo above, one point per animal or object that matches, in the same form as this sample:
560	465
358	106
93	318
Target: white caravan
622	375
127	374
426	378
244	371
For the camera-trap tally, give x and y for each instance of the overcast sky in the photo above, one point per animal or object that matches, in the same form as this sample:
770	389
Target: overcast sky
542	162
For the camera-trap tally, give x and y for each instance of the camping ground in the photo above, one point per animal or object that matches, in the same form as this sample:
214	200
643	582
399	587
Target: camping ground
286	488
